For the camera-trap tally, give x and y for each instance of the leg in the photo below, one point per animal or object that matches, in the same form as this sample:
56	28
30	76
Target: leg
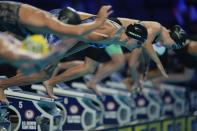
66	65
20	80
70	64
75	72
107	69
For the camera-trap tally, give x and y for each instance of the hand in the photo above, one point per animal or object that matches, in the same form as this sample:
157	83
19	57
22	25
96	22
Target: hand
103	13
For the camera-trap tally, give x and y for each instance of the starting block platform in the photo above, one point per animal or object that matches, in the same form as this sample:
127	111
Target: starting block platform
184	123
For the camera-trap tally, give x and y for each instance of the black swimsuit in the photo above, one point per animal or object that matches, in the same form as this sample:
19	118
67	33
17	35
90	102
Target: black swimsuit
9	18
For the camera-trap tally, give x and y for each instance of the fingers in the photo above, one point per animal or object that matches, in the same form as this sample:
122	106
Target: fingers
106	8
110	12
104	12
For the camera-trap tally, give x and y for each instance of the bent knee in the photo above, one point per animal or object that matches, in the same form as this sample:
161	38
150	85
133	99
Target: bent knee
90	69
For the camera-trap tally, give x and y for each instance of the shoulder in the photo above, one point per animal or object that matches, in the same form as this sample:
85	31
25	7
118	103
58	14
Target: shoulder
153	27
153	23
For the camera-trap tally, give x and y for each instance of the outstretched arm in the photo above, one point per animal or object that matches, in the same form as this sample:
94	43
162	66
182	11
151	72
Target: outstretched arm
84	15
150	51
148	47
127	21
20	58
40	21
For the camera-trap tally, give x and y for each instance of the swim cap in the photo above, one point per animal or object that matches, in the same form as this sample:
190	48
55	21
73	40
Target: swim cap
178	35
35	44
69	16
137	31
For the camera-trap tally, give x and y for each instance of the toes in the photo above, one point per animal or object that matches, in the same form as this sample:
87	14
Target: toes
53	96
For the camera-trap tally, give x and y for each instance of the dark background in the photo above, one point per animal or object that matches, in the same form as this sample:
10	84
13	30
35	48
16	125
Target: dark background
163	11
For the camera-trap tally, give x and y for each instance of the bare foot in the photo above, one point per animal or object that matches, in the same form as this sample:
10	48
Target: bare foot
3	98
49	90
92	85
128	85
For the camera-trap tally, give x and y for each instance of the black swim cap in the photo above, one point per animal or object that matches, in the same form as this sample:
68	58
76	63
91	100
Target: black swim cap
178	35
69	15
137	31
